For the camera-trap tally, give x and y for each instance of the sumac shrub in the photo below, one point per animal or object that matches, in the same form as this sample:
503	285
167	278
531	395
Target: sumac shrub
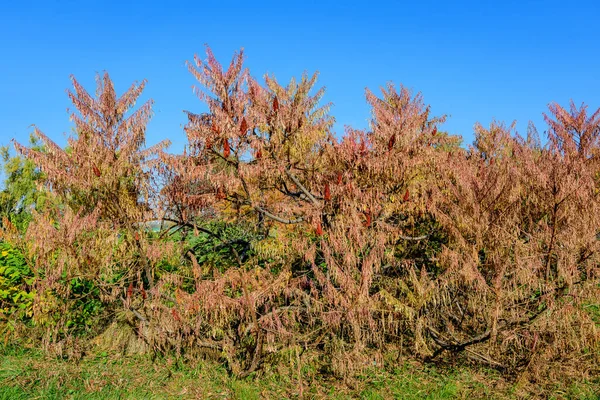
279	235
92	251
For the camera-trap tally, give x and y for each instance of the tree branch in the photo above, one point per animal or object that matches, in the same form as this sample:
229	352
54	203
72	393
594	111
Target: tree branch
276	218
415	238
210	233
301	187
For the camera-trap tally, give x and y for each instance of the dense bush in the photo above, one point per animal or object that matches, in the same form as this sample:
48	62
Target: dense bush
277	236
16	279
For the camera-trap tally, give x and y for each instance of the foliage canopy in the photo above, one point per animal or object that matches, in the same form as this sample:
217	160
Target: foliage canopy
275	235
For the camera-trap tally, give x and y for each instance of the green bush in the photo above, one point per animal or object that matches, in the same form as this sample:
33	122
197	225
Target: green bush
16	278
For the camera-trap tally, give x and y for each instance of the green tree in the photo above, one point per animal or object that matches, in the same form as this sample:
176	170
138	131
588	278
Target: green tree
21	192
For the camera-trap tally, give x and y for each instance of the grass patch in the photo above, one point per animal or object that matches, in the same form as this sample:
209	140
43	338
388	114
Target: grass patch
29	374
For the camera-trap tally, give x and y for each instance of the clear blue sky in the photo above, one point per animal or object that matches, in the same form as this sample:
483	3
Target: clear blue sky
473	60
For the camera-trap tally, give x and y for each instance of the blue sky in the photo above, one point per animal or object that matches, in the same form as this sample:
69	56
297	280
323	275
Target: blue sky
475	60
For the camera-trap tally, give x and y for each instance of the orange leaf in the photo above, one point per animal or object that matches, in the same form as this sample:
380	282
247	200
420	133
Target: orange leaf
327	194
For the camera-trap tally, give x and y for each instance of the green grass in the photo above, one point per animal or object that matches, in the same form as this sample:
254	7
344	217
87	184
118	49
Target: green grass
29	374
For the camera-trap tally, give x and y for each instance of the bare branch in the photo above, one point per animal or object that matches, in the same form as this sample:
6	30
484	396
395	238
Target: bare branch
278	219
301	187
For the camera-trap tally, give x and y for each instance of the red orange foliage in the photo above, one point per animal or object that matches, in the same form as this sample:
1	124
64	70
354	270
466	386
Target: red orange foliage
388	237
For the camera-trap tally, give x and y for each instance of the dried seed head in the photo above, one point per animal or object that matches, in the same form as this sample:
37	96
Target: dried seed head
406	195
226	149
392	142
368	218
363	147
243	126
130	290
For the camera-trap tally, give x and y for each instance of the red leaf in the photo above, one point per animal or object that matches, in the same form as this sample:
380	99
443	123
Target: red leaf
243	126
143	294
434	131
275	104
339	178
136	236
391	142
215	128
96	170
258	154
175	314
406	195
220	193
226	149
327	194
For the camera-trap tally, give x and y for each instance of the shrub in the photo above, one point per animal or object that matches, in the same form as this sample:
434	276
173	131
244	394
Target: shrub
16	291
284	238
